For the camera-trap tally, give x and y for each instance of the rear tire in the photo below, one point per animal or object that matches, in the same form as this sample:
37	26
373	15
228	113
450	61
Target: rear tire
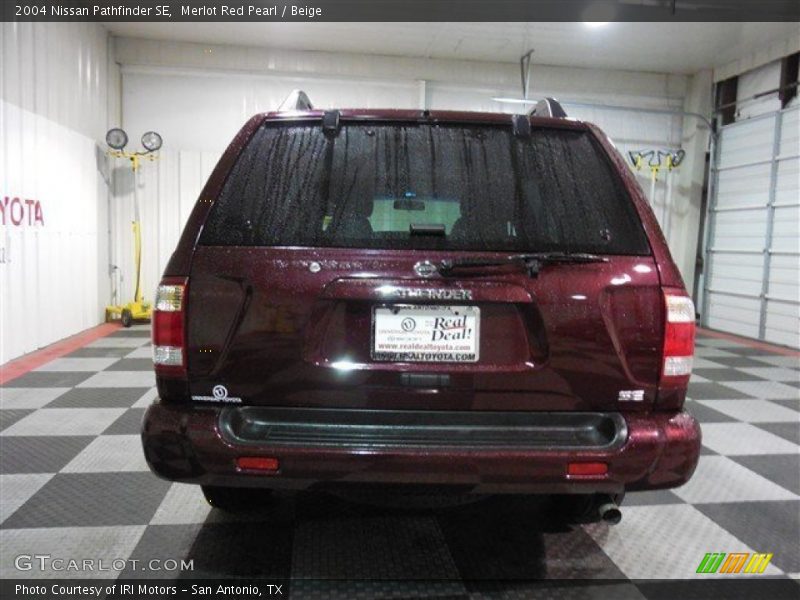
126	317
235	500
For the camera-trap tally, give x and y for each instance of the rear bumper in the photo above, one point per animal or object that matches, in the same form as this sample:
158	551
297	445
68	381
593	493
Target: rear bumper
480	452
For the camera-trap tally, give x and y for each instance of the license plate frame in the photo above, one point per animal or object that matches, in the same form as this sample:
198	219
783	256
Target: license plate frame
415	349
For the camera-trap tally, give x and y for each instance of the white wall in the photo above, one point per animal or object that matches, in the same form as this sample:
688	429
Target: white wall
198	96
54	107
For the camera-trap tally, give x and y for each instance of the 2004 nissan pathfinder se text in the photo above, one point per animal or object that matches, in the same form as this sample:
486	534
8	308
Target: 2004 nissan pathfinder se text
408	300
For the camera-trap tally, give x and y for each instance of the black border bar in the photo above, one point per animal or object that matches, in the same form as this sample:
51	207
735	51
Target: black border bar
264	588
400	10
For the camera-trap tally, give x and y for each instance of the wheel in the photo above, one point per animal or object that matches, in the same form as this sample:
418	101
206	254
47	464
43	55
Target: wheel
233	500
127	318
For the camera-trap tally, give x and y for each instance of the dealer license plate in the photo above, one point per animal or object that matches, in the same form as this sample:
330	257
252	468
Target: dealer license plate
423	333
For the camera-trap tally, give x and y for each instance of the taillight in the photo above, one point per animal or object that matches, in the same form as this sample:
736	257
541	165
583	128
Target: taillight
678	338
169	345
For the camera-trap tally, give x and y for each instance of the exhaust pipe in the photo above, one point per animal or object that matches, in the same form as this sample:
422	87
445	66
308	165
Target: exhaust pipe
609	511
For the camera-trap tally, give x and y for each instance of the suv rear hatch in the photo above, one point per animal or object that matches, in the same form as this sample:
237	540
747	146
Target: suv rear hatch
331	272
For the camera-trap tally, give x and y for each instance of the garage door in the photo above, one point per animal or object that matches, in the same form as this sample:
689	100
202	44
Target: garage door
754	238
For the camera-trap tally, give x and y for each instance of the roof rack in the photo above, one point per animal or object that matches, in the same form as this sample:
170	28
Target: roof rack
548	107
296	100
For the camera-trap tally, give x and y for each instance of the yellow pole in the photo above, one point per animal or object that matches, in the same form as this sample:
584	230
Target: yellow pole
137	233
137	251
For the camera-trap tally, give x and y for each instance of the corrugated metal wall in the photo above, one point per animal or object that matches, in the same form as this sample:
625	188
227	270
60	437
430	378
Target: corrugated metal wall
54	102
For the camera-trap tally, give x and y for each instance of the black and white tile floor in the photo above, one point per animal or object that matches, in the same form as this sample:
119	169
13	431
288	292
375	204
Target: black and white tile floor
74	483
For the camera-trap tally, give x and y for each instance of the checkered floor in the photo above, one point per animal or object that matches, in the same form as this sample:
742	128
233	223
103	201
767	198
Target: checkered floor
74	484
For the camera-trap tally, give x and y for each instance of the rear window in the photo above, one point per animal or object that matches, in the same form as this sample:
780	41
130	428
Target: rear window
425	186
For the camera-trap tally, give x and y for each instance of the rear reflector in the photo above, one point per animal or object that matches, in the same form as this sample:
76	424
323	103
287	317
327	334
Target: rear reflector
258	463
679	331
169	354
587	468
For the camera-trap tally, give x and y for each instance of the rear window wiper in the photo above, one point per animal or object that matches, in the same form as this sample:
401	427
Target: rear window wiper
532	262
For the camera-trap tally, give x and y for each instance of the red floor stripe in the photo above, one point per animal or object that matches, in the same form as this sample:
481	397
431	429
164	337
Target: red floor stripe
749	342
20	366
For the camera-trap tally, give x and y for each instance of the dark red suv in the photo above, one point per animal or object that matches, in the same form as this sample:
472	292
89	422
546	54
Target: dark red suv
408	300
